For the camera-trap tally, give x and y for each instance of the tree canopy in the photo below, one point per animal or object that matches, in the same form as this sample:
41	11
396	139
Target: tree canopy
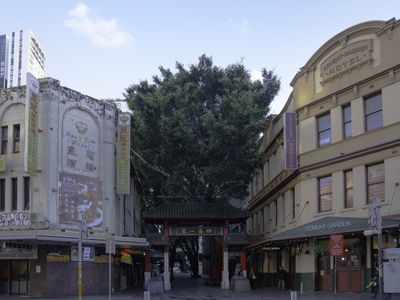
195	131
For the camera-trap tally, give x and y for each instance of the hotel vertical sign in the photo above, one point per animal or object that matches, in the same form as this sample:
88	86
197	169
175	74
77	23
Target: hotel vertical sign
123	153
290	140
31	127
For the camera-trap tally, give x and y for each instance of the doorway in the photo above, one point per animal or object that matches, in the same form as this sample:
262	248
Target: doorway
4	277
19	275
323	273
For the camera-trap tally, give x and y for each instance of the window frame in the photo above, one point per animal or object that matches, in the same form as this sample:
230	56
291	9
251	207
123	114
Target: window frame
27	193
329	129
4	139
380	111
16	139
293	205
14	193
347	106
320	194
375	183
2	194
347	188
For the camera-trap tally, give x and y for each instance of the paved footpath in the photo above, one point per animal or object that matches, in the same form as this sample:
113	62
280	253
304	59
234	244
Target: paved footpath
184	288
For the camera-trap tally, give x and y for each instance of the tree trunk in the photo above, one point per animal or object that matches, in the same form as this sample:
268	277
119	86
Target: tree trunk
190	246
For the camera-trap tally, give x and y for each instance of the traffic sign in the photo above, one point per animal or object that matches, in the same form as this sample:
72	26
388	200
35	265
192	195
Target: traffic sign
110	245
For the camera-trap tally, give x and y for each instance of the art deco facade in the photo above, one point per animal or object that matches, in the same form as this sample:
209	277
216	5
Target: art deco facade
346	100
75	161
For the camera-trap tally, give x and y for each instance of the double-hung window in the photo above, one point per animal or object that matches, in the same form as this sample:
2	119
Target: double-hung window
324	130
325	194
376	182
347	127
348	186
373	112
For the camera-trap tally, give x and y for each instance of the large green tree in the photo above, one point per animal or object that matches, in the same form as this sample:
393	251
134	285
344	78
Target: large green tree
195	130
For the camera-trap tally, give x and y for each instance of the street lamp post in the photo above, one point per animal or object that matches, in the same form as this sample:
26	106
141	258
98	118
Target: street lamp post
375	223
82	230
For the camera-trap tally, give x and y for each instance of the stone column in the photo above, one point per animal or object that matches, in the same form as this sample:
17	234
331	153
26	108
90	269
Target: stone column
243	263
225	270
166	274
147	269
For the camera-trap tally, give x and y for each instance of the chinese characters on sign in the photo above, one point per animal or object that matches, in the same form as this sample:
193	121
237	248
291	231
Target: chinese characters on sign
188	231
18	251
31	130
123	153
80	143
80	192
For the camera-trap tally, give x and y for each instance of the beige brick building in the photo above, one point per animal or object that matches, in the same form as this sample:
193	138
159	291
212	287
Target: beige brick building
346	100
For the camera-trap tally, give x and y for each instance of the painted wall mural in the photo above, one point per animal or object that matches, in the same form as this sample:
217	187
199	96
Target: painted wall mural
80	143
80	192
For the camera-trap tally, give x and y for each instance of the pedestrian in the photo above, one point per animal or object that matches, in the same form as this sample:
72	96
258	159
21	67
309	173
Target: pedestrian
252	277
281	274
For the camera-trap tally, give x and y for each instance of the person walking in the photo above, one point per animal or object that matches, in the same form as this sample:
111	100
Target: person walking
281	278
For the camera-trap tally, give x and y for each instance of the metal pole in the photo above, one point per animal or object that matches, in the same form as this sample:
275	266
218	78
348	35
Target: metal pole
80	259
109	272
380	264
335	273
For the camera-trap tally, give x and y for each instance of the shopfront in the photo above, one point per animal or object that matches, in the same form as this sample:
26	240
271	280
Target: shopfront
312	262
345	272
15	260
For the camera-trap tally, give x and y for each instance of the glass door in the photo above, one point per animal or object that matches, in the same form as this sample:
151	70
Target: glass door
19	276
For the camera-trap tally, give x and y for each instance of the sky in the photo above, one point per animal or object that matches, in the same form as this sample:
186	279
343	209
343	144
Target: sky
100	48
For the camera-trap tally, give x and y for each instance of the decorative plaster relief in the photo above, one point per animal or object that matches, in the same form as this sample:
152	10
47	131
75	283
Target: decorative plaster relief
80	143
346	59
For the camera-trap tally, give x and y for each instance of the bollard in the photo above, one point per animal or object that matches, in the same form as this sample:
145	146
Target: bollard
301	287
293	295
146	295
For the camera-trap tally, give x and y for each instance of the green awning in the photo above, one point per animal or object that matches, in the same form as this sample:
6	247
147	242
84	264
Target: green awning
330	225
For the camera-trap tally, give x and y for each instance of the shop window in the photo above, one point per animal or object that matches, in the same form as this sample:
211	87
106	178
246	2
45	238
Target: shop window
325	194
373	112
348	195
2	194
27	193
4	139
324	130
352	257
14	193
347	124
376	183
16	138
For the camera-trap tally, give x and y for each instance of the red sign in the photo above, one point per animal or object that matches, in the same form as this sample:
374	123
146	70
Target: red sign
336	245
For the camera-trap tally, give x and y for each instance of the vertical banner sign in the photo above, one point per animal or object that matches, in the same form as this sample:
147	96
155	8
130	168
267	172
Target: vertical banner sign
31	126
123	153
290	140
336	244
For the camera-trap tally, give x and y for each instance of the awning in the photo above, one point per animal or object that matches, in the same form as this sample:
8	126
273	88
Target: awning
326	226
72	237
